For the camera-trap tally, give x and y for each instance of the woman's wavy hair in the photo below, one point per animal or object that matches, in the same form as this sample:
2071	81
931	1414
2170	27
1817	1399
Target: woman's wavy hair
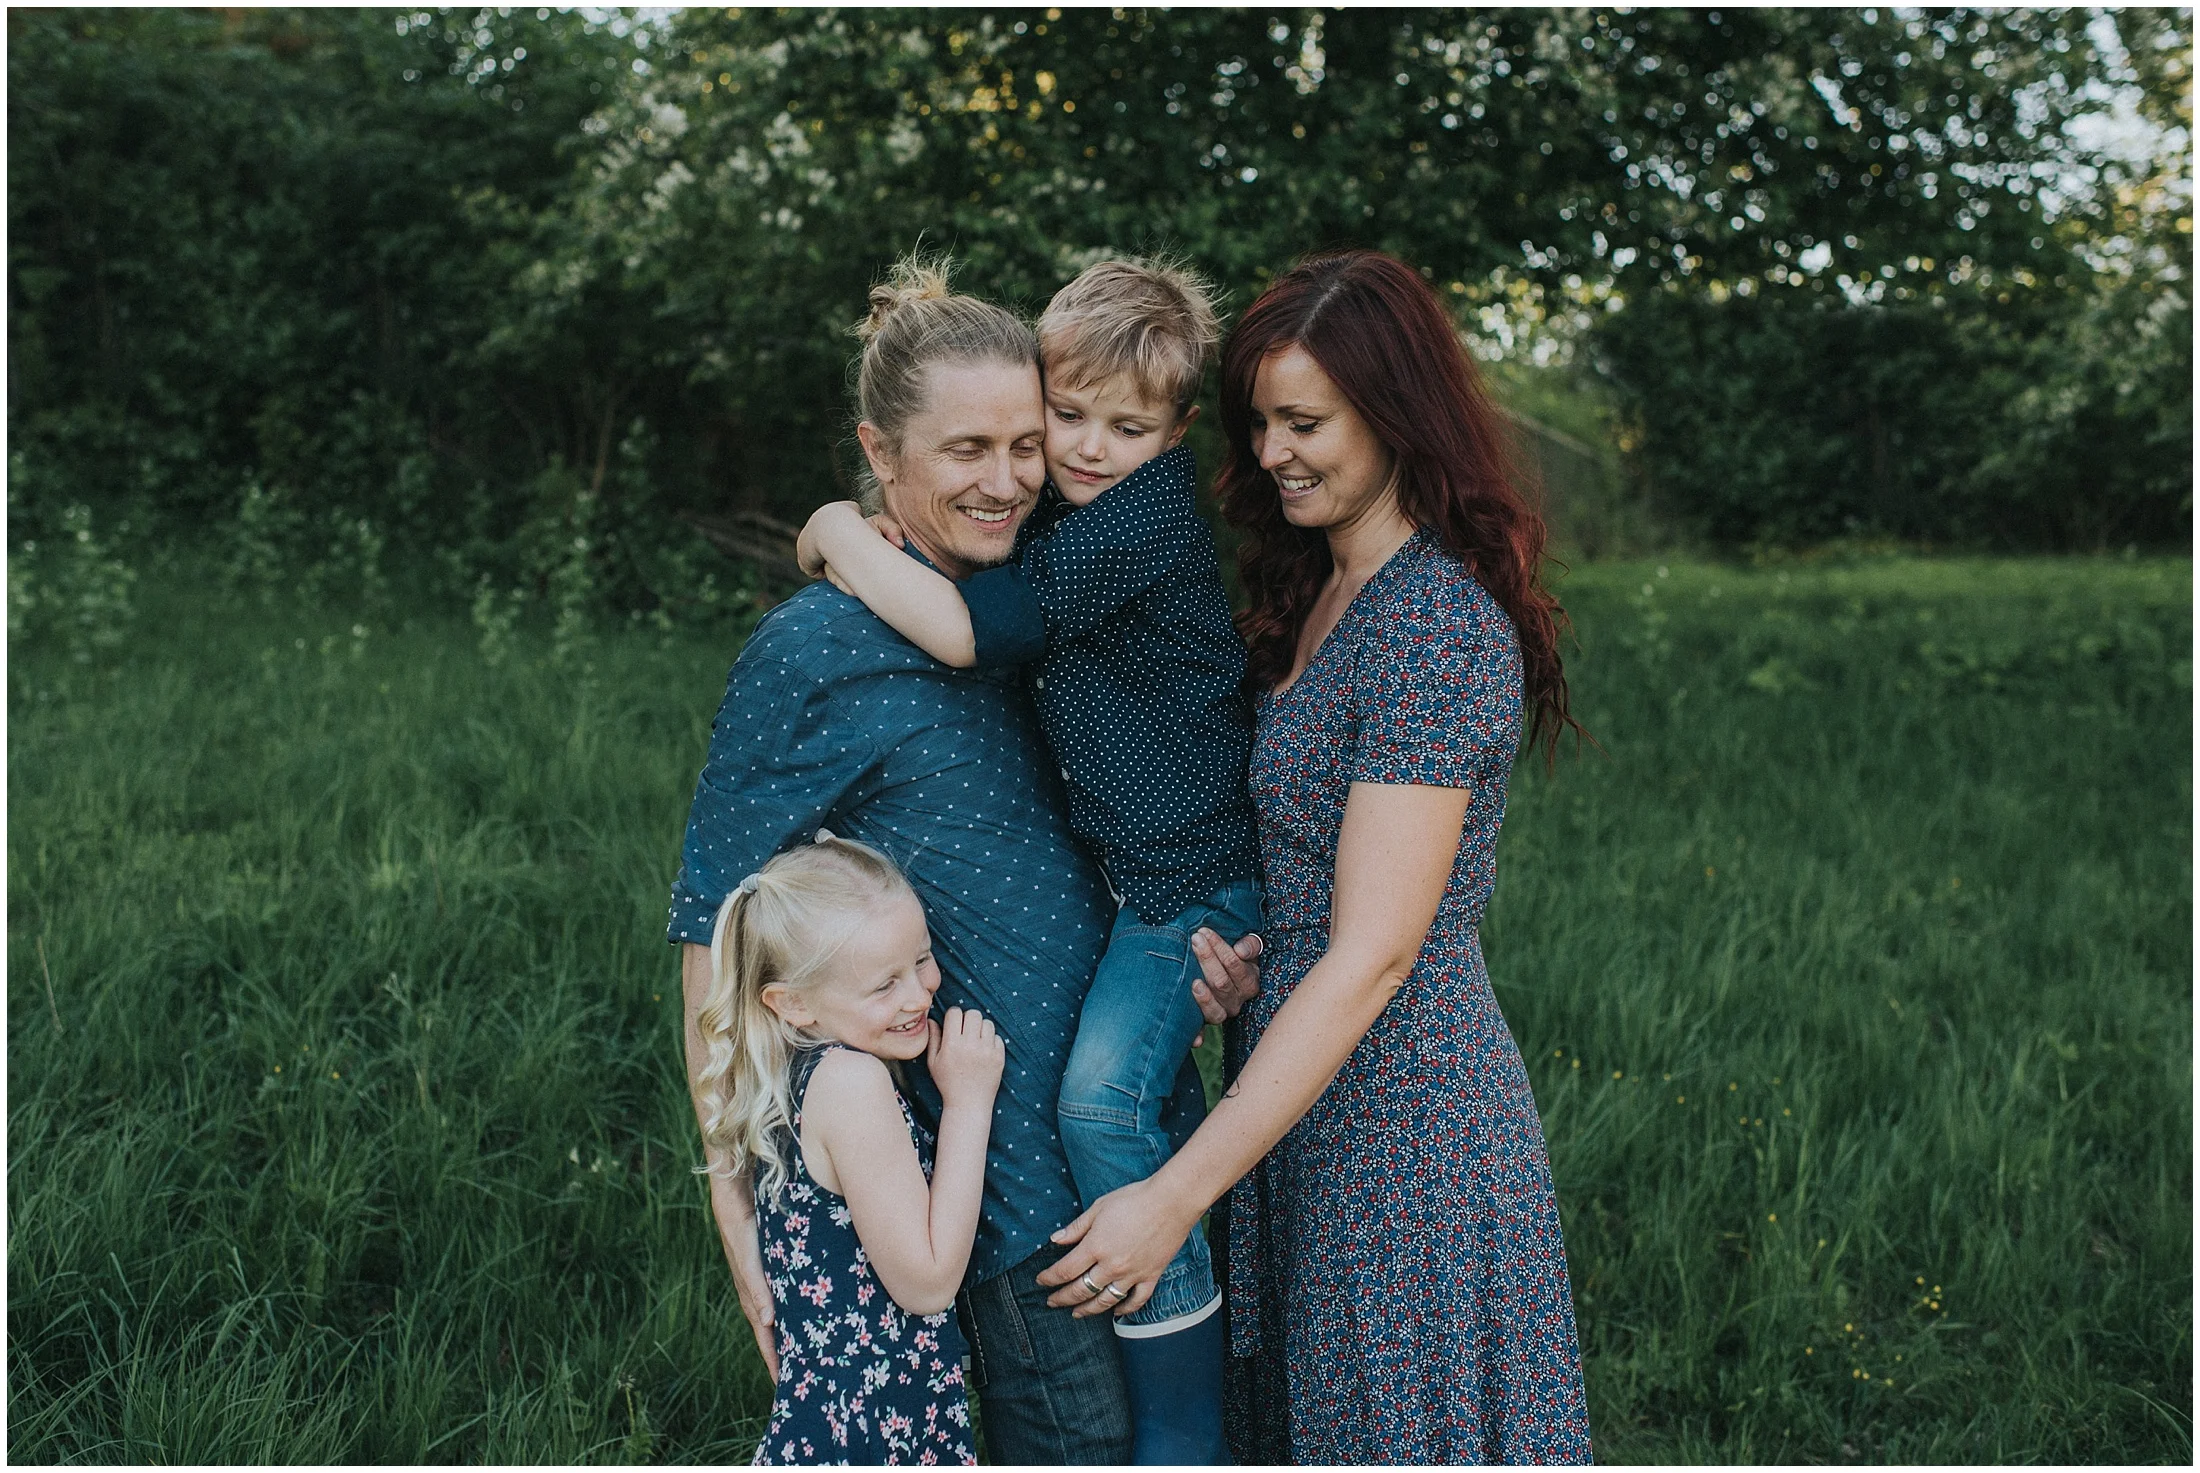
781	926
1385	340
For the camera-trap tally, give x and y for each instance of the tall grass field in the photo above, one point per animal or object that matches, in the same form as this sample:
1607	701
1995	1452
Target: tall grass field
1854	975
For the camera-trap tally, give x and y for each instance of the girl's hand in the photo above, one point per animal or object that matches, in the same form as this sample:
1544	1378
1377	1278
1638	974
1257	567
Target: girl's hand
1123	1242
889	529
965	1056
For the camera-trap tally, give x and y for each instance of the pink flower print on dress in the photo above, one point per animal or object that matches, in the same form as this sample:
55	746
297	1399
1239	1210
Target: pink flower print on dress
844	1395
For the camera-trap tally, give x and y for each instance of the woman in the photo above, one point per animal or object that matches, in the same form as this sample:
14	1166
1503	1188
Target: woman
1397	1282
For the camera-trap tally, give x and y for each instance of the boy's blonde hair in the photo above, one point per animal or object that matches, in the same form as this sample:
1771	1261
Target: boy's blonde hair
1151	319
781	926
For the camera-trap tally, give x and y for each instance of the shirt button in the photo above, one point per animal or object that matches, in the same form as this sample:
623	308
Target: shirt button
1065	774
1041	682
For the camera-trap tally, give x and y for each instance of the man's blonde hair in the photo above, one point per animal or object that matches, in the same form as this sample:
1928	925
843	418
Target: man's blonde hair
915	322
1151	319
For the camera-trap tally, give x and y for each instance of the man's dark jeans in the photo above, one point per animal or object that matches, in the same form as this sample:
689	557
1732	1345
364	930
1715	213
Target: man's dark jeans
1050	1387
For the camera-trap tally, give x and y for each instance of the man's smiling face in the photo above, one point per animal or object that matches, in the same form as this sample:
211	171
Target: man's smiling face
969	466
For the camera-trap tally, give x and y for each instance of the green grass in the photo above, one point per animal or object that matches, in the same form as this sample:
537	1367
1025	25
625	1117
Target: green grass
346	1122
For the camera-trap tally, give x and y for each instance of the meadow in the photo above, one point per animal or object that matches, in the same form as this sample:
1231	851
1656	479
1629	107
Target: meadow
1853	972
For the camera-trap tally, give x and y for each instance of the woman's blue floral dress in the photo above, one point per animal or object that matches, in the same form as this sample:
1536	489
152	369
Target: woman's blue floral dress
860	1379
1396	1280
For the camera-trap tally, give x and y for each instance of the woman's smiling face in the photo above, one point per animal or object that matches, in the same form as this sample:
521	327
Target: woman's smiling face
1331	468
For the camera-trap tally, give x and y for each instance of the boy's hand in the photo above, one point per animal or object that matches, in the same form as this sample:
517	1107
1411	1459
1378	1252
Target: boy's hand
809	551
965	1056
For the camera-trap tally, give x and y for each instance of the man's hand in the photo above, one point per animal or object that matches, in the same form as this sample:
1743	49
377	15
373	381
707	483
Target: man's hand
735	1208
1229	976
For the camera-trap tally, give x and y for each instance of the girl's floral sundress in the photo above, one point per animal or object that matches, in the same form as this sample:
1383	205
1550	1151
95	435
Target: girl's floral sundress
860	1379
1397	1284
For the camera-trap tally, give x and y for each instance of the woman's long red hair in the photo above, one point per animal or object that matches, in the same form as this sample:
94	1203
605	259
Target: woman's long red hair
1384	339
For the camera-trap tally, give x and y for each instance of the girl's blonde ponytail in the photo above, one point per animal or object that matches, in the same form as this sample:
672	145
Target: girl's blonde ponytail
781	927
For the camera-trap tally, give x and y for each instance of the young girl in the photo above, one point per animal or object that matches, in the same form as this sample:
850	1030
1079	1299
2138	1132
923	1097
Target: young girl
821	984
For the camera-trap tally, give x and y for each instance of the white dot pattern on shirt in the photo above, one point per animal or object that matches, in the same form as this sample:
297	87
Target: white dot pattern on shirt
831	720
1140	690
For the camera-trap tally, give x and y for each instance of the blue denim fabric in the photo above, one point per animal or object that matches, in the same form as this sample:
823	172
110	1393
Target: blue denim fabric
1049	1385
1133	1040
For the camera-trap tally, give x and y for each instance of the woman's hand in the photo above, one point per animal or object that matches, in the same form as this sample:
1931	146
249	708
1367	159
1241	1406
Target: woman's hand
965	1056
1123	1243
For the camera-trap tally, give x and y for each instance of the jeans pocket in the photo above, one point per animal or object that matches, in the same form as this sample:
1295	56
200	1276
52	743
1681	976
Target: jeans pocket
974	1363
996	1326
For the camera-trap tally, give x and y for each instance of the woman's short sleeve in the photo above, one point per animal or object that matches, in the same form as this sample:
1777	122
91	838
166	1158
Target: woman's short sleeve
1439	683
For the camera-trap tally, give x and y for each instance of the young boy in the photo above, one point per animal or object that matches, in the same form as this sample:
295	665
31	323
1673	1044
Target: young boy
1116	600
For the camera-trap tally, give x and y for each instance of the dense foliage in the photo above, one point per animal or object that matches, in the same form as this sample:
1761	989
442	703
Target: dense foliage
505	293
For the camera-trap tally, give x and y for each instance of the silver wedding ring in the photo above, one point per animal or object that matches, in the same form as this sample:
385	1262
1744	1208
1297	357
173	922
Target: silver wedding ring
1090	1286
1118	1293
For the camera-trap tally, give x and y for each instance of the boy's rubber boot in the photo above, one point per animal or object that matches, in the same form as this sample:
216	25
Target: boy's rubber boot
1176	1395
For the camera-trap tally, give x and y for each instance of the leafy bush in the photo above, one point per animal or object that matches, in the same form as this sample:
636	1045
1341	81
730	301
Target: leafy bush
1781	420
443	274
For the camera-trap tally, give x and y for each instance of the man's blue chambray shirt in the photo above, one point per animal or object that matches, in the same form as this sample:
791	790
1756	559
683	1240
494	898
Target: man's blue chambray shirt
1139	681
832	720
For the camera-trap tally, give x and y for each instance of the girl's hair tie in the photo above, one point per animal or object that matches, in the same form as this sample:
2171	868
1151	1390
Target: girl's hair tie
824	836
749	883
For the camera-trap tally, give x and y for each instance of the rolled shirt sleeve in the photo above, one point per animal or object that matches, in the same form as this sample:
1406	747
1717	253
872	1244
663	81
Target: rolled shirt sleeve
1008	625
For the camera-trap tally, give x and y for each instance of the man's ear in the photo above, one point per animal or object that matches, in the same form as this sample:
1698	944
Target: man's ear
1176	436
875	451
788	1004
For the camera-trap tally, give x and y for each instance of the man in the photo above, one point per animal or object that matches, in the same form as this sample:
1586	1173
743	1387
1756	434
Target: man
832	720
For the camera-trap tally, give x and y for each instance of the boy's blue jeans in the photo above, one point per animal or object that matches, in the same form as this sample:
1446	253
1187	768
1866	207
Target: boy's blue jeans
1133	1036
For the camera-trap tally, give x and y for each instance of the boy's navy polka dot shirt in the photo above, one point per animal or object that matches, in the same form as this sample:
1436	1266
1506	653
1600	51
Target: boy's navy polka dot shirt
832	720
1139	681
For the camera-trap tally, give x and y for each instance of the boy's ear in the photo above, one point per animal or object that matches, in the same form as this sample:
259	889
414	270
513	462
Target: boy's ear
788	1004
1176	436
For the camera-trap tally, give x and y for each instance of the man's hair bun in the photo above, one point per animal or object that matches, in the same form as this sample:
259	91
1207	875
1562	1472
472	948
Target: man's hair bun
913	279
915	324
